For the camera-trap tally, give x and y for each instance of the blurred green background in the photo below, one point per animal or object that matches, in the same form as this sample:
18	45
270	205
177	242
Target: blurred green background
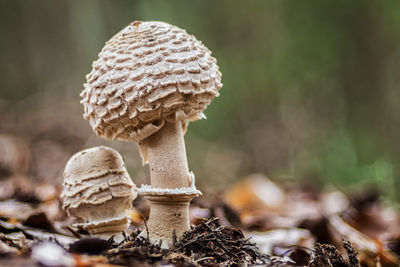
311	88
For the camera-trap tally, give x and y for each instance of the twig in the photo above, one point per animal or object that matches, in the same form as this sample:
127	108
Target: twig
73	232
204	258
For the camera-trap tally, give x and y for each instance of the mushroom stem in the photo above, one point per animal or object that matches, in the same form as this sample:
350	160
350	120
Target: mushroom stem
169	212
169	216
167	157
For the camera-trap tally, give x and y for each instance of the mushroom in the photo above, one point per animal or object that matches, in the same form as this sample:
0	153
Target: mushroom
98	190
149	81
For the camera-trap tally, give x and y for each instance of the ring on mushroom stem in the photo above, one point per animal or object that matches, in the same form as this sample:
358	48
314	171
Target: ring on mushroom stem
149	81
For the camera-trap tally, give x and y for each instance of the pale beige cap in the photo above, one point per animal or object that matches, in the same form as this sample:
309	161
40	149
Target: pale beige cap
98	189
149	73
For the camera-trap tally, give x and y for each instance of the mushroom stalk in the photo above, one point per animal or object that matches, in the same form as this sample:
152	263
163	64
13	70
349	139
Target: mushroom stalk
167	157
169	217
169	212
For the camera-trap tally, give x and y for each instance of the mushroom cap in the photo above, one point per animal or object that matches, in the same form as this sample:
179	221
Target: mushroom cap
148	73
98	188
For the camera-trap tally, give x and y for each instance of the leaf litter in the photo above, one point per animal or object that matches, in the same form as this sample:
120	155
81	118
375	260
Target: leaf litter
241	226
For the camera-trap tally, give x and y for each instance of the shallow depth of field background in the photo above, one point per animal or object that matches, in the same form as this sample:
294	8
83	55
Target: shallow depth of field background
311	89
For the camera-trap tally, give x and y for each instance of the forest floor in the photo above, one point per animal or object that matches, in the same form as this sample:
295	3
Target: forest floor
255	222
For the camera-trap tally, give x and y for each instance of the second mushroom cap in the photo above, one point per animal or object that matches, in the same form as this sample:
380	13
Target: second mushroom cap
98	189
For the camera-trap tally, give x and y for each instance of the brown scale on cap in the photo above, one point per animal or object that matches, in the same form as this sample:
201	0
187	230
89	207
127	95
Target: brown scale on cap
98	190
149	73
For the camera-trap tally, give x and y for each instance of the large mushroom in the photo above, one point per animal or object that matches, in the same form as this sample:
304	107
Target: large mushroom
149	81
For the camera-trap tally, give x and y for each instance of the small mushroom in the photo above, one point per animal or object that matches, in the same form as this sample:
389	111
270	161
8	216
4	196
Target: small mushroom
98	190
149	81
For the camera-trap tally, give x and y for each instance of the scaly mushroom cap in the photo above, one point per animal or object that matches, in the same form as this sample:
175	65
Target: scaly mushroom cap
98	189
146	74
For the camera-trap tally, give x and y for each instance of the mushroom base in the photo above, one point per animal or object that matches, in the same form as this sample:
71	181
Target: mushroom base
169	217
107	227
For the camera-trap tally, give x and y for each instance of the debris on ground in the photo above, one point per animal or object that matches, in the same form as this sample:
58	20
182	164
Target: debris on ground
206	244
240	226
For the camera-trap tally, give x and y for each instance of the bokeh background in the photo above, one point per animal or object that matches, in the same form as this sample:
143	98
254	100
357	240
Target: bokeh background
311	89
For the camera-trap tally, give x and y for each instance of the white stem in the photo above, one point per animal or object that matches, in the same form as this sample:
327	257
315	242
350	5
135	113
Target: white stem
167	157
167	217
169	214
